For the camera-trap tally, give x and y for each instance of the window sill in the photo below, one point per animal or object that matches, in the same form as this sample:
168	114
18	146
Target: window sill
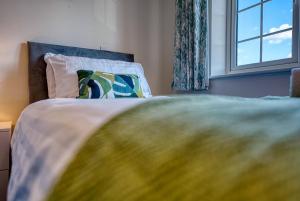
235	74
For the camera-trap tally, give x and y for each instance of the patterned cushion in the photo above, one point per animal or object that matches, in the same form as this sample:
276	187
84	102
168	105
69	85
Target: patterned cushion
101	85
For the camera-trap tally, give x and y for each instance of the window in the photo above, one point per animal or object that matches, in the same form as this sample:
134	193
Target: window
262	34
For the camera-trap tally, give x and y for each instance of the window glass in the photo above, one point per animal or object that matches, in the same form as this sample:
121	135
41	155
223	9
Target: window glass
248	52
277	15
264	32
246	3
277	46
249	23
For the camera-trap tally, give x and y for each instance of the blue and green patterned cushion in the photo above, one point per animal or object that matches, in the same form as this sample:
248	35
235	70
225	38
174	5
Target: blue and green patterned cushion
101	85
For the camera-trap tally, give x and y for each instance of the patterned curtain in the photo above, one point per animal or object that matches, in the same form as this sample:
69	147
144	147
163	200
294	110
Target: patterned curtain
191	45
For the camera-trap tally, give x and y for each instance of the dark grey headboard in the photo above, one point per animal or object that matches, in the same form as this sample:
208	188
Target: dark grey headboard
37	67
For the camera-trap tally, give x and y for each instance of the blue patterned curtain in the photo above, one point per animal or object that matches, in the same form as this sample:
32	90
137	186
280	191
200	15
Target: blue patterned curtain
191	45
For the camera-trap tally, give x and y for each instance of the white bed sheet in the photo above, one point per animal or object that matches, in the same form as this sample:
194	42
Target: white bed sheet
47	136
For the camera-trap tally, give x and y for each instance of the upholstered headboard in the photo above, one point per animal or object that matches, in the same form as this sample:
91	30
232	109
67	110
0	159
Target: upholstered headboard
37	67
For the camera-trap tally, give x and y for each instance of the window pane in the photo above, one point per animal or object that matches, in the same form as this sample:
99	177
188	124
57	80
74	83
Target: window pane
277	46
278	15
249	23
246	3
248	52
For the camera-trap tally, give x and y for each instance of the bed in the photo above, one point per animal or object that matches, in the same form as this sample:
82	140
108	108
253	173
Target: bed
160	148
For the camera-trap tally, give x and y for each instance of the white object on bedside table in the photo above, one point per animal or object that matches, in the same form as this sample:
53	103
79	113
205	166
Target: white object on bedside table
5	135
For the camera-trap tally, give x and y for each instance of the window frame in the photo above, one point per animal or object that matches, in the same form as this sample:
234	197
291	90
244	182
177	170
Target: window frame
231	45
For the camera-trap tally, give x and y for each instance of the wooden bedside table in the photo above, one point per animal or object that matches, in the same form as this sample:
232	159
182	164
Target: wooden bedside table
5	135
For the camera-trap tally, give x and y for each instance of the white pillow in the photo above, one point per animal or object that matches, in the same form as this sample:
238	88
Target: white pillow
50	81
62	70
57	63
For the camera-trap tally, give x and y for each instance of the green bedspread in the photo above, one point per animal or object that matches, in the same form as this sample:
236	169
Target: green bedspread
201	148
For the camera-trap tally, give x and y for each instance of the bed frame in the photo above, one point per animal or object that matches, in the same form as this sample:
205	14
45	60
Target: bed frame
37	67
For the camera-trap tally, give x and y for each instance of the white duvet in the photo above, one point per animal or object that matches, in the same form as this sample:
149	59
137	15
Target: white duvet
47	136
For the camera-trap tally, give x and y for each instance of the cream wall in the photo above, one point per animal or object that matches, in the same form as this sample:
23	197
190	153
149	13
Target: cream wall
141	27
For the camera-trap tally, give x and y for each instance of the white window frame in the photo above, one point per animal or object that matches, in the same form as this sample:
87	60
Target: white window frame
231	44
